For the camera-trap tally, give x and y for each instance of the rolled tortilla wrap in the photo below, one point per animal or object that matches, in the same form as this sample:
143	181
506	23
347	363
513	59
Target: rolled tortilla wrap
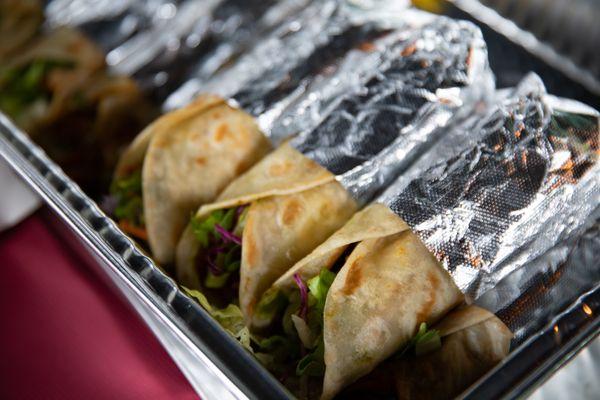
473	341
295	204
188	162
19	21
57	88
133	156
390	267
385	290
64	62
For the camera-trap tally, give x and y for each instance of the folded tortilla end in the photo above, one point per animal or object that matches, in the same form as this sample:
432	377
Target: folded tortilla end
189	161
185	260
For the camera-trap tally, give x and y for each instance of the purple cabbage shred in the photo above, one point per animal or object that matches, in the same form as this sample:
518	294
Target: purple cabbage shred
303	296
228	236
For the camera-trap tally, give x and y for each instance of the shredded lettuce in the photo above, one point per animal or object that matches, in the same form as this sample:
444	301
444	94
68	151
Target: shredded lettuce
230	318
204	228
200	298
216	281
312	364
319	287
222	247
23	87
272	342
270	349
270	304
128	193
425	341
275	351
274	301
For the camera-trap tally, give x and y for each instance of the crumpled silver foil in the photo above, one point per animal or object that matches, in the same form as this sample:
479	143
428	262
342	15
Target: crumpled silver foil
529	298
427	78
291	78
531	182
164	42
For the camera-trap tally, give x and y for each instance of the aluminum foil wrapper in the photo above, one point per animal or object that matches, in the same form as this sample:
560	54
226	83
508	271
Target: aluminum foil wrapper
427	78
162	43
530	298
290	79
531	181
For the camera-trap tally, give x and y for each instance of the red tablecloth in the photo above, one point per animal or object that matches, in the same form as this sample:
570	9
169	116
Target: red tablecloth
63	332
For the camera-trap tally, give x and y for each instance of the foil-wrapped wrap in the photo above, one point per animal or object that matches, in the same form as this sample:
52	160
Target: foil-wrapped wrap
530	181
162	43
291	77
530	298
427	77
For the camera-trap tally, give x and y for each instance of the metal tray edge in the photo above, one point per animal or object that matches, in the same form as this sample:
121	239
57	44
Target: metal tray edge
134	274
487	16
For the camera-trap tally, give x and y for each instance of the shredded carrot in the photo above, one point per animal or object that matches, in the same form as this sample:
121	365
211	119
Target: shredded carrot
131	229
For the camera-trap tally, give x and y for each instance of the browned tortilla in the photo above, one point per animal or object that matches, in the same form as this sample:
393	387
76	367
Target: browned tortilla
474	341
19	22
133	157
295	204
375	220
63	45
385	290
190	160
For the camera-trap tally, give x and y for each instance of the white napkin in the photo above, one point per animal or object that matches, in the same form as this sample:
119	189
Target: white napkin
17	200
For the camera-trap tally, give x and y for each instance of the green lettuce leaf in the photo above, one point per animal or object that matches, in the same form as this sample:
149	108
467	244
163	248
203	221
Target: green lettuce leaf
319	287
200	298
230	318
425	341
271	303
22	87
313	363
204	228
212	281
223	255
128	192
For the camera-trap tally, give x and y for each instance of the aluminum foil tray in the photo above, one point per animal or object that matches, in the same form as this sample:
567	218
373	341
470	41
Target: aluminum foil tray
214	363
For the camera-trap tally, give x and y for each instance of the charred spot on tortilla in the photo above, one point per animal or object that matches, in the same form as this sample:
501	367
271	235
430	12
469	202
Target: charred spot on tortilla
433	284
291	209
325	209
250	247
353	277
281	168
221	132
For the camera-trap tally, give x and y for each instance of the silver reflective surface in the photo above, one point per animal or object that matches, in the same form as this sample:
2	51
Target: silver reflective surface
164	43
530	182
425	78
291	78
